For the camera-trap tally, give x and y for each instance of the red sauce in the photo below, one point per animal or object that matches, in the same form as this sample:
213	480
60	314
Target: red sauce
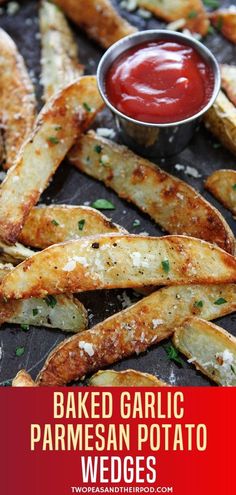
159	82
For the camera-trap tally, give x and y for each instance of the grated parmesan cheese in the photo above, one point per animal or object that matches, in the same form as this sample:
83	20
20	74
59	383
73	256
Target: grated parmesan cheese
105	132
87	347
157	322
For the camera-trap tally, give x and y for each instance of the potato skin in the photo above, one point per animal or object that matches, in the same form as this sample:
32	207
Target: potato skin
222	184
225	20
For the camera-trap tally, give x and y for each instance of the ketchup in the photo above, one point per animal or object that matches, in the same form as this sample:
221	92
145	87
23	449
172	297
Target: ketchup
159	82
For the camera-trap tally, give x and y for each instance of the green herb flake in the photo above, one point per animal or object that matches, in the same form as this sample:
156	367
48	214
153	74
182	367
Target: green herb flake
54	222
136	223
35	311
198	304
210	30
219	23
24	327
103	204
58	128
220	301
81	224
216	146
232	369
87	106
214	4
53	140
97	148
166	266
192	14
234	187
20	351
51	301
173	354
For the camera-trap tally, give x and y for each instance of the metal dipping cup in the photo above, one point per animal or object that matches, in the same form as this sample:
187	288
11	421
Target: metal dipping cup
148	139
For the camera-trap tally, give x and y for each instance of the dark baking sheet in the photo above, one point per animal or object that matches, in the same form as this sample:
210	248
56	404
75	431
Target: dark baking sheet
71	187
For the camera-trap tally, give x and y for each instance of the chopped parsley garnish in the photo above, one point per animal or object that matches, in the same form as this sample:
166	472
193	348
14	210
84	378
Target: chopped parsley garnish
53	140
198	304
220	301
219	23
103	204
210	30
54	222
97	148
20	351
216	146
232	369
58	128
87	107
81	224
173	354
51	301
24	327
136	223
192	14
166	266
234	187
35	311
214	4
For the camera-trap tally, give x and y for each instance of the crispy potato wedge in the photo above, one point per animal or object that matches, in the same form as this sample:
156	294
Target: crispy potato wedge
57	126
225	21
221	121
222	184
59	55
127	378
15	253
17	100
111	261
171	10
23	379
210	348
98	18
172	203
49	225
133	330
228	81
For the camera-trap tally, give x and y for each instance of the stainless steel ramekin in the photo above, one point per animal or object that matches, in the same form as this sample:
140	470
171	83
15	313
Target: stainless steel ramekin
150	139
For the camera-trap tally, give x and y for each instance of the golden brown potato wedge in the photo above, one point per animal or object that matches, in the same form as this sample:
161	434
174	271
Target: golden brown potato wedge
98	18
49	225
222	184
225	21
221	121
17	100
127	378
171	10
57	126
210	348
118	261
172	203
23	379
59	55
228	81
134	330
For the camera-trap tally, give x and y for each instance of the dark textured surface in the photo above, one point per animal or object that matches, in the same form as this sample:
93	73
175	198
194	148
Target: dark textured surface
71	187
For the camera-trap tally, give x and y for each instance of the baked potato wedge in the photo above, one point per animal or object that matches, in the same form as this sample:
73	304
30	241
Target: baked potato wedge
127	378
23	379
56	128
111	261
225	21
59	54
98	18
210	348
221	121
228	81
14	254
172	203
49	225
17	100
222	184
133	330
192	11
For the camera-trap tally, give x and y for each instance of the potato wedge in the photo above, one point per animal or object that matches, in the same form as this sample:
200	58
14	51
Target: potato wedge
228	81
111	261
225	21
98	18
133	330
210	348
222	184
15	253
59	55
49	225
57	126
23	379
127	378
171	10
17	100
221	121
172	203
